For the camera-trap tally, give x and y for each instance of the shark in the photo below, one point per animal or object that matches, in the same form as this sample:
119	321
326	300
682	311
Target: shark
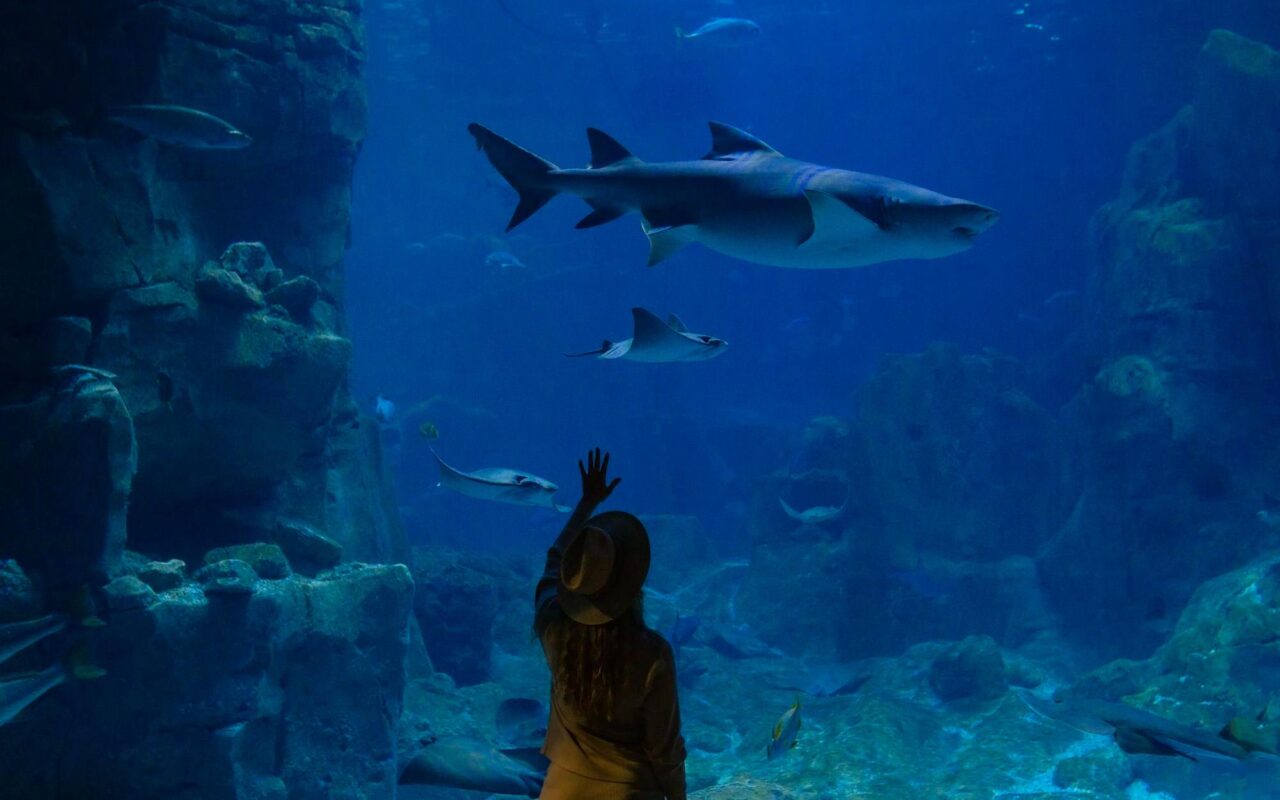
655	341
1134	730
500	484
748	201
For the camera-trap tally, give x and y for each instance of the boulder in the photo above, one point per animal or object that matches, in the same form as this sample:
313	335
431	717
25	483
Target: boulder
297	296
227	288
298	685
972	669
127	593
306	546
162	576
227	577
267	560
456	603
66	478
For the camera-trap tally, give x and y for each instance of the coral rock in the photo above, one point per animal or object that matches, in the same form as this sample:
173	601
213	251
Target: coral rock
305	545
221	286
972	669
266	559
128	593
163	575
297	295
230	576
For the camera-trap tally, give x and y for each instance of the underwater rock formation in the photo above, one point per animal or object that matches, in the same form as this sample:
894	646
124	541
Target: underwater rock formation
1172	451
66	473
245	688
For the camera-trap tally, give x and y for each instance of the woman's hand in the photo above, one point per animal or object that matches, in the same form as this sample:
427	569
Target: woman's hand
596	486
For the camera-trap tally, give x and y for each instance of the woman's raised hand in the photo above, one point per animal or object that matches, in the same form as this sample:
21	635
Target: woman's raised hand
596	486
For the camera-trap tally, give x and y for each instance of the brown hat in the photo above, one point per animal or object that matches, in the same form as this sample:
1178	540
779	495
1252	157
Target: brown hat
603	568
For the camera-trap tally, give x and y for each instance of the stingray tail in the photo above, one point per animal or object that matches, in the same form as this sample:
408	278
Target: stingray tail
526	172
604	348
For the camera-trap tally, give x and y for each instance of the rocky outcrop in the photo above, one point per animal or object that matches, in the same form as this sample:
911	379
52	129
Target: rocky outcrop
66	472
207	281
243	688
1171	447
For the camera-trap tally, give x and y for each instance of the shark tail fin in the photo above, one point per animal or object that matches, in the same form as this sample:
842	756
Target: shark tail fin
525	171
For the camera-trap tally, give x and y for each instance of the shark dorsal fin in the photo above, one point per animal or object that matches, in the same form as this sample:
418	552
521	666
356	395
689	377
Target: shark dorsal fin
677	324
728	142
605	150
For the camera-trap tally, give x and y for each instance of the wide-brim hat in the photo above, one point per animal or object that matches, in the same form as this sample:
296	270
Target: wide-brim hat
603	568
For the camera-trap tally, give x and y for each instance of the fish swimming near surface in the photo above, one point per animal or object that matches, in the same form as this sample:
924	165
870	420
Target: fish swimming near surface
785	731
724	31
20	691
815	515
746	200
18	636
655	341
1134	730
500	485
181	127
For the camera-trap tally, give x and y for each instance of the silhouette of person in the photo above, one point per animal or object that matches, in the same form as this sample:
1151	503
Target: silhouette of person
614	726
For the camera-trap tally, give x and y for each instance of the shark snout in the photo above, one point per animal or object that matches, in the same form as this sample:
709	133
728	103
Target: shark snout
973	219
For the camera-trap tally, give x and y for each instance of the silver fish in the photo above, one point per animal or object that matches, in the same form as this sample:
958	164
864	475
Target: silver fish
725	31
181	126
785	731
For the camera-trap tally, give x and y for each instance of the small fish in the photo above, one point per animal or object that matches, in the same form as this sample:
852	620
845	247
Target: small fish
785	731
503	260
1269	514
18	636
429	431
1061	296
19	692
726	31
815	515
181	126
383	409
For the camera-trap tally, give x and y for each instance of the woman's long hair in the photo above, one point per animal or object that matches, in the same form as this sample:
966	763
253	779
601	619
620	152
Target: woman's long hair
589	663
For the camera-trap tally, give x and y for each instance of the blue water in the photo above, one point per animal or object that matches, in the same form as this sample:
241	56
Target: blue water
1026	107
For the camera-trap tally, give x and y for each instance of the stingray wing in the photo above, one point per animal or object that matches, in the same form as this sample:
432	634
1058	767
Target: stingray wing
655	340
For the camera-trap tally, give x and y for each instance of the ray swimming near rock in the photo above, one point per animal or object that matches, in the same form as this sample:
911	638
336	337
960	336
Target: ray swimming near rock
18	636
466	763
1135	731
20	691
746	200
655	341
500	485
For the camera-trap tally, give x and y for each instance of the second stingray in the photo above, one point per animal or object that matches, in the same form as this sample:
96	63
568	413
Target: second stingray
655	341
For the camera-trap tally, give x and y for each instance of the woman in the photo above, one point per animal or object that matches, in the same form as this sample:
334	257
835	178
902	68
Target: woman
614	727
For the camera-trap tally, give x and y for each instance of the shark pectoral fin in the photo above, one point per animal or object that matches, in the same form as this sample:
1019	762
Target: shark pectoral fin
600	216
666	240
834	222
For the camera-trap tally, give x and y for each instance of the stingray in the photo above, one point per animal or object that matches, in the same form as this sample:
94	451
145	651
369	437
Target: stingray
464	763
18	636
521	721
815	515
1135	731
501	485
655	341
